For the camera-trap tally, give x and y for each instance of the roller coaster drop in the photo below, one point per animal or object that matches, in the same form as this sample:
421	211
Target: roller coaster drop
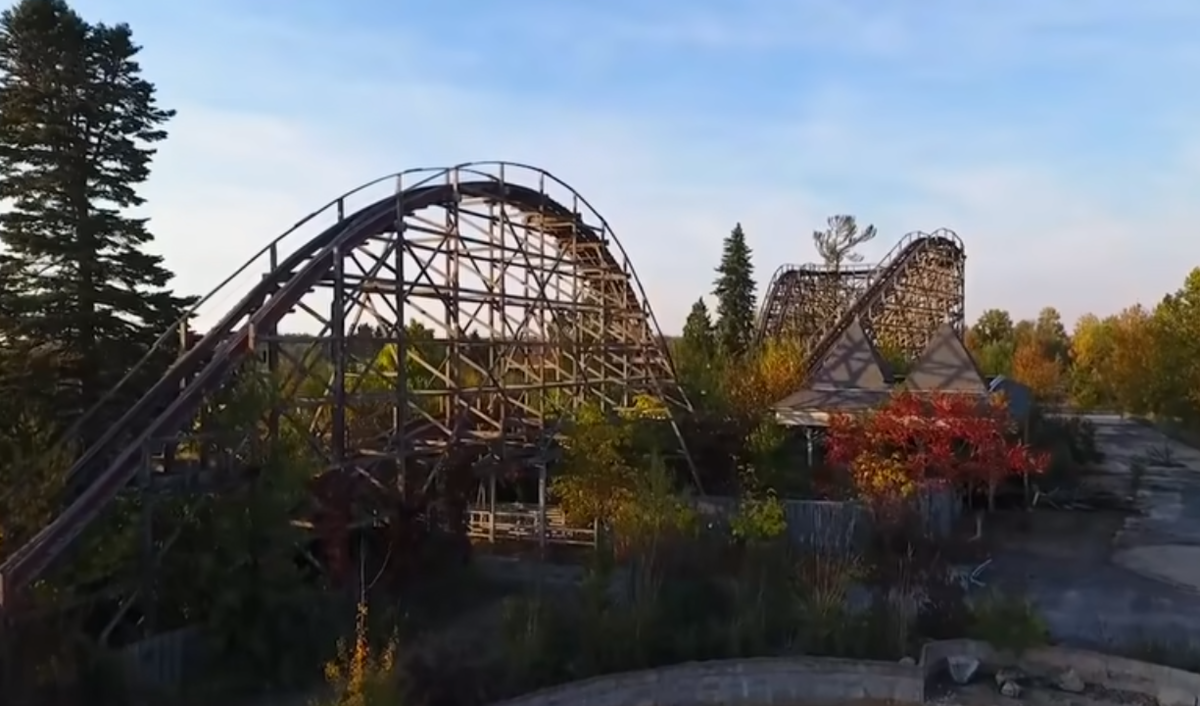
455	318
901	302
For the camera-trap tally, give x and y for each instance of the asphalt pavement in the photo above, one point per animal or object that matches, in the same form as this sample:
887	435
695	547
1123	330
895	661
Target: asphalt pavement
1111	579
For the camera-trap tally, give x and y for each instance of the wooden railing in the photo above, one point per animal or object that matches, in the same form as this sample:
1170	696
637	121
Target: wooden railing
514	522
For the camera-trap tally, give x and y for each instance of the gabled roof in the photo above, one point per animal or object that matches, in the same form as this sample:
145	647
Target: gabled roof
946	366
852	362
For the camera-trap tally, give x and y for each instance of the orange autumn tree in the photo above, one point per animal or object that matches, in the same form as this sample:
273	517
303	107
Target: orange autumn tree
1037	370
915	441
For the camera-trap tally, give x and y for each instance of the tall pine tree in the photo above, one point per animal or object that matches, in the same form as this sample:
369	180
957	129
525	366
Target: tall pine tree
77	128
734	290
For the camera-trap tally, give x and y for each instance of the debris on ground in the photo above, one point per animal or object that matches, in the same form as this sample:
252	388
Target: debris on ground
1068	680
1008	685
962	668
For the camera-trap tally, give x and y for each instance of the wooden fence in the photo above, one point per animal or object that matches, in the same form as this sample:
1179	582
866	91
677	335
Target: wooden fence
838	525
826	524
163	659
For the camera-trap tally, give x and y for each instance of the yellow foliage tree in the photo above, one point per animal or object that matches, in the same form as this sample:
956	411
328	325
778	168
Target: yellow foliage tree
765	378
596	480
1130	368
1092	350
1174	385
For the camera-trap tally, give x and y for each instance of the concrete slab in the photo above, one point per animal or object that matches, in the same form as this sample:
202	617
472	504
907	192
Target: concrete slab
1163	539
1104	578
1174	564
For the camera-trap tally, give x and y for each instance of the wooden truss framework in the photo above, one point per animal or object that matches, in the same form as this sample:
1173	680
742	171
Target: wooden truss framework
902	301
455	320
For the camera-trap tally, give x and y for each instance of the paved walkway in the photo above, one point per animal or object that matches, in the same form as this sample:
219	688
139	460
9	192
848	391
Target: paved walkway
1108	579
1163	540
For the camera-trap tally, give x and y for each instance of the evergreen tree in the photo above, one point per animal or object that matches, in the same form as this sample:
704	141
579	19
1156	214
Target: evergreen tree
735	295
698	338
696	357
77	128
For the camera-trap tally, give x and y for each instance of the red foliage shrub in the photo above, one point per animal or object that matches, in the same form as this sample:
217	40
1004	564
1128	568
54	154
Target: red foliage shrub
914	441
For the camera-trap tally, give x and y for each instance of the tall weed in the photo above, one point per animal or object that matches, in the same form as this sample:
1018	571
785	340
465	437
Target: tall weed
363	673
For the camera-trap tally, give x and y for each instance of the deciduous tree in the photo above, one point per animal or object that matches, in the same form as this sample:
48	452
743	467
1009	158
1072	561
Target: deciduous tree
765	378
1175	333
1051	334
596	478
993	326
991	341
1092	351
1023	332
1131	368
1035	369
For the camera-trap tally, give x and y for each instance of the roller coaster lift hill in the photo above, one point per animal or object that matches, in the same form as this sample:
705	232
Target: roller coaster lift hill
530	308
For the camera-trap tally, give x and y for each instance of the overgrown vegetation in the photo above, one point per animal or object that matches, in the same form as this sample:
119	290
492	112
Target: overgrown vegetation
267	571
767	597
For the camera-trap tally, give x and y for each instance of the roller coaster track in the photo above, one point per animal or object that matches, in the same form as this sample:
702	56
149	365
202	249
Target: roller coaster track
800	297
915	289
614	352
901	301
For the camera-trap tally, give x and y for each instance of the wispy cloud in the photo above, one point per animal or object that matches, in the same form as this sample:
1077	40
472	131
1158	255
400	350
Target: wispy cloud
1061	144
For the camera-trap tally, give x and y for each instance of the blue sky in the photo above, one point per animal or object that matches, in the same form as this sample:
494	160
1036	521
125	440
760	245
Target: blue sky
1061	140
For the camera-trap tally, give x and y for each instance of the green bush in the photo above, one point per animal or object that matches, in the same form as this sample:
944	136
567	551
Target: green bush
1008	622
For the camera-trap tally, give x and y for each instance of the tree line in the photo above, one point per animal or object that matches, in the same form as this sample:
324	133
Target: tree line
715	357
1141	360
